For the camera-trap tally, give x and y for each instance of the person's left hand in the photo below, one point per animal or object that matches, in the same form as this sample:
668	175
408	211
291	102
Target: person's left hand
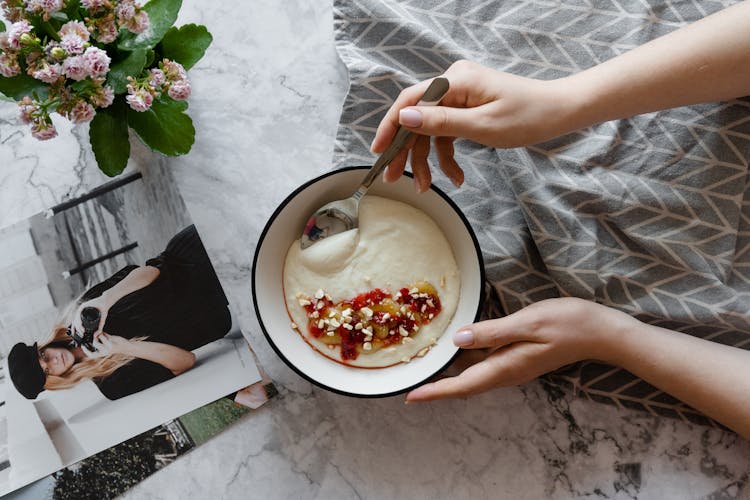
105	345
531	342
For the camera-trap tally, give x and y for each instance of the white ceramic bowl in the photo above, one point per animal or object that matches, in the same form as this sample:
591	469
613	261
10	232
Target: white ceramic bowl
285	226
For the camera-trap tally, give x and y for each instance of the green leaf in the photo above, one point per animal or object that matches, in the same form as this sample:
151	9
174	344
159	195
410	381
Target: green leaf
2	26
165	127
108	135
162	14
186	44
21	86
71	8
150	55
132	65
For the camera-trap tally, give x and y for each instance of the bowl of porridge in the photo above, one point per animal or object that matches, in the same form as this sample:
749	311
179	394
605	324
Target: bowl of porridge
369	312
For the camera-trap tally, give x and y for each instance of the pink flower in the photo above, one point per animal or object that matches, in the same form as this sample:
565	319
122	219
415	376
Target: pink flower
139	99
125	10
28	109
16	31
97	61
92	4
48	6
180	90
173	70
76	68
106	32
138	23
75	28
157	78
48	73
103	98
81	112
43	129
72	44
9	65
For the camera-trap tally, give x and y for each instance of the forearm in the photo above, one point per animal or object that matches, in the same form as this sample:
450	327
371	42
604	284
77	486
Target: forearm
135	280
706	61
708	376
173	358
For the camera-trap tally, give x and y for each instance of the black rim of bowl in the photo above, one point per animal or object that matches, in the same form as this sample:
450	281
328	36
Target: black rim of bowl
291	365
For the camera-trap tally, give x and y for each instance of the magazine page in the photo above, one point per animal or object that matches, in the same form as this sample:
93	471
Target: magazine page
111	472
112	322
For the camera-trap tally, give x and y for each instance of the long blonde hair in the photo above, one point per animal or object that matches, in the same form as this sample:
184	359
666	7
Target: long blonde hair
87	368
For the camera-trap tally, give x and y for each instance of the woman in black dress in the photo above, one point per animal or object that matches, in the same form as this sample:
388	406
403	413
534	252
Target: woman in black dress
152	317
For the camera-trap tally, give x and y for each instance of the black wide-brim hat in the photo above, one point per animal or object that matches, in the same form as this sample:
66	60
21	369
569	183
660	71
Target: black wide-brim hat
25	371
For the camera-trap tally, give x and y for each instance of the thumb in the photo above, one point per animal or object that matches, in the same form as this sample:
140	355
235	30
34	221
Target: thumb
441	121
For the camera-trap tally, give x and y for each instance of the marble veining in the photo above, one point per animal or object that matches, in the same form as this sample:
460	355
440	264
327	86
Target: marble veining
266	101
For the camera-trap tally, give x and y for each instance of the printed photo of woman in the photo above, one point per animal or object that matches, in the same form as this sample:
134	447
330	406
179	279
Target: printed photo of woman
147	320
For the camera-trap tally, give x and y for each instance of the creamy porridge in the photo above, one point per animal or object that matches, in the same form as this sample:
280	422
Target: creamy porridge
378	295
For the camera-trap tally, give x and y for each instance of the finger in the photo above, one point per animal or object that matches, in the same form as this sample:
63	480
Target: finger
419	166
445	121
475	379
510	366
389	124
448	164
499	332
396	168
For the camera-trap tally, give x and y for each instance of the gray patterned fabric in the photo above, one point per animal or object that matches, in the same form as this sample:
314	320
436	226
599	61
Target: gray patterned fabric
648	215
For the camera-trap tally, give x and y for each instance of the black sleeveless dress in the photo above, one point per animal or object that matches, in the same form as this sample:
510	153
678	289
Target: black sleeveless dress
184	306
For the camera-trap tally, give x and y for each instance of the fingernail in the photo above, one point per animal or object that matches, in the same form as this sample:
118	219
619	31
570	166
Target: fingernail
385	174
457	182
463	338
410	118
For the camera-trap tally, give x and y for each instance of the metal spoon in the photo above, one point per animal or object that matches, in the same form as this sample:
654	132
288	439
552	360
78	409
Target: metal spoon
342	215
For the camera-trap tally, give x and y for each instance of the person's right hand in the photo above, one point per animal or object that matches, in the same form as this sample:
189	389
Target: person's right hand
99	303
490	107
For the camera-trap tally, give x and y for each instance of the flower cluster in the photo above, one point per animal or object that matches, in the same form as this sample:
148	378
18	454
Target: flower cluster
170	76
119	64
70	57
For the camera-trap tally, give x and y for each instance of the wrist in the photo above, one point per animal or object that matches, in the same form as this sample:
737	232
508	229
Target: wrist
615	333
573	107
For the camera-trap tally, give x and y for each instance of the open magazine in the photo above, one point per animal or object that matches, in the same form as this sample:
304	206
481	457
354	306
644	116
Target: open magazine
116	339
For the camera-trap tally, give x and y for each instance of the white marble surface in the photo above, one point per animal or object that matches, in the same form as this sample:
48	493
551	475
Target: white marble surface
266	103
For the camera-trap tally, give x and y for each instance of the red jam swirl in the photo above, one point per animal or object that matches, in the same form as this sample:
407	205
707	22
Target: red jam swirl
372	320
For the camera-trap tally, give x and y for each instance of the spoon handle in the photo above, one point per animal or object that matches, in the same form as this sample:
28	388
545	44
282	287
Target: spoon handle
431	97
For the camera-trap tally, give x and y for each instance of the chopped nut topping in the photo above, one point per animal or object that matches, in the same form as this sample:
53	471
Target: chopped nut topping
423	351
304	302
293	325
320	294
367	346
358	326
403	331
348	326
